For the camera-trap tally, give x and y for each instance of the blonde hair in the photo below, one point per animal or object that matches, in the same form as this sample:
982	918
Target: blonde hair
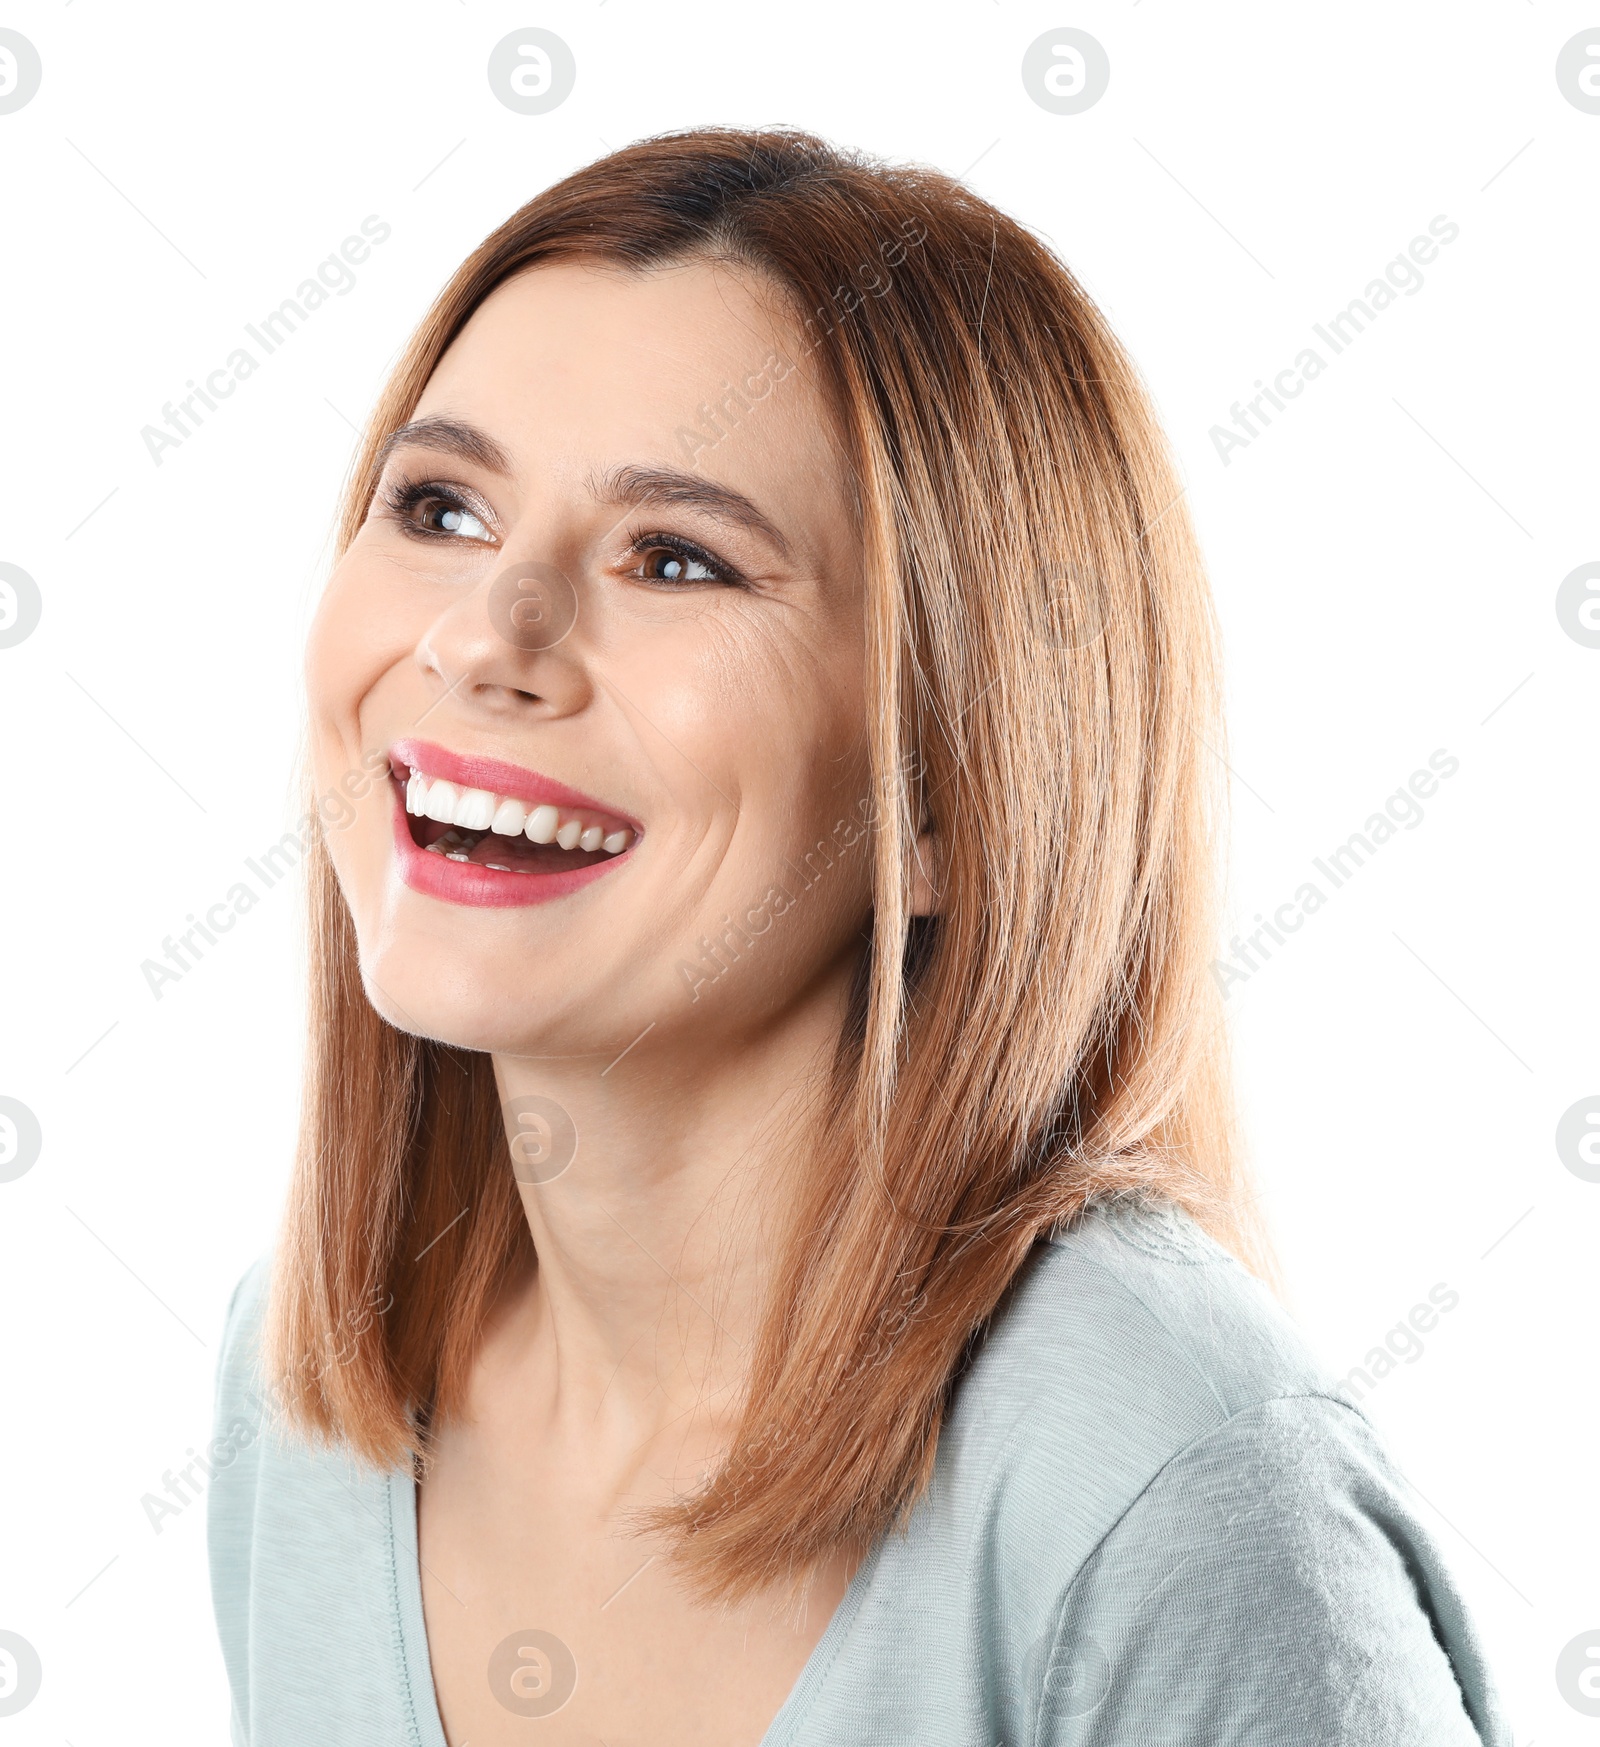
1043	672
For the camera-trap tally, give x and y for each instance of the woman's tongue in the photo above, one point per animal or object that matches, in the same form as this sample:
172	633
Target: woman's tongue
521	856
489	849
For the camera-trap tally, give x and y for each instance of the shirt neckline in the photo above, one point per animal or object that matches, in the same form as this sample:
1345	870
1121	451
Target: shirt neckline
421	1698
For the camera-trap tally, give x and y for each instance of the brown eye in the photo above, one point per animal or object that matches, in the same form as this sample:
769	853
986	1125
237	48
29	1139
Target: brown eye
427	510
439	515
673	563
664	566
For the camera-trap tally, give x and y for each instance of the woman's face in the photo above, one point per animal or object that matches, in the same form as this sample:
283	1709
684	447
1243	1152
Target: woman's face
603	631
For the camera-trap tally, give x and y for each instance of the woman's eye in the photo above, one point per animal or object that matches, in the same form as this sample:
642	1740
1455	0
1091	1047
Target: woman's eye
439	516
430	511
672	564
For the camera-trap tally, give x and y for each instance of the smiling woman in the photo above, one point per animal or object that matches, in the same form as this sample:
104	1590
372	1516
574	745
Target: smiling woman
758	542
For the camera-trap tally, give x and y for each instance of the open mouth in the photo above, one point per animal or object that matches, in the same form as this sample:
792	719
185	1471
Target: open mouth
504	833
485	832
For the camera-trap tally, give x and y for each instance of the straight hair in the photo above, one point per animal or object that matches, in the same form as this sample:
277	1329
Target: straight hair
1043	692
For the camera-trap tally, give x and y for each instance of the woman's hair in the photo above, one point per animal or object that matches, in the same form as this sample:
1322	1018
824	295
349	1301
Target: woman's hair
1041	661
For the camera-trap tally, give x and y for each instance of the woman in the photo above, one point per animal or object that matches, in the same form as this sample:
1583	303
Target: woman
767	1261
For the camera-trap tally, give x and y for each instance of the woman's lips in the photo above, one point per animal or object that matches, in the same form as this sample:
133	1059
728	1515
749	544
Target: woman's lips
481	832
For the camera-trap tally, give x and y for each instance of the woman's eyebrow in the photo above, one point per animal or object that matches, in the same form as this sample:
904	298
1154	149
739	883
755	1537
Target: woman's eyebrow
641	485
622	485
449	437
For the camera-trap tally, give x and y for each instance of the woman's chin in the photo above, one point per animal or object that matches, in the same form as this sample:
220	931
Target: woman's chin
526	1023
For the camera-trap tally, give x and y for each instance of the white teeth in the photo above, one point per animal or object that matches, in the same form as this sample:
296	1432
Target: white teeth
509	820
474	809
480	810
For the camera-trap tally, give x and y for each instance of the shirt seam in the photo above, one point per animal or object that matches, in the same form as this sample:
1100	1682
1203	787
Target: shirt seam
1106	1216
847	1626
991	1485
397	1617
1177	1455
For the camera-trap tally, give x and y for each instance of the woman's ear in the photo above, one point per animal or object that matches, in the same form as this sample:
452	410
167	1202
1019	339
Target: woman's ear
925	874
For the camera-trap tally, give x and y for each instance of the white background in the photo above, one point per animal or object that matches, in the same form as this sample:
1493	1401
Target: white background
1385	557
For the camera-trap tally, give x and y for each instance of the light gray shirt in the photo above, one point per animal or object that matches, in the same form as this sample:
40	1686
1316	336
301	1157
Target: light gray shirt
1152	1523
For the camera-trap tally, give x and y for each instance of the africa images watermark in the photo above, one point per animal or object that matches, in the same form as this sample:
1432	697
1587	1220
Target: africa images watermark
717	957
715	422
757	1453
1401	275
184	1487
1401	811
335	277
1403	1343
331	811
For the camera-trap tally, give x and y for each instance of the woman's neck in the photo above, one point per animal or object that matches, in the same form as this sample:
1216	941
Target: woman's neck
655	1240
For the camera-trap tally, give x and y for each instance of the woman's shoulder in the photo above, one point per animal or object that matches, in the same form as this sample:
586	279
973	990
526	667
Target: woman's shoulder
241	1321
1137	1374
242	1417
1148	1500
313	1565
1135	1328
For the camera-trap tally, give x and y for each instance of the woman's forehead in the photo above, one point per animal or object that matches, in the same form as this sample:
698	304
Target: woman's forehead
672	341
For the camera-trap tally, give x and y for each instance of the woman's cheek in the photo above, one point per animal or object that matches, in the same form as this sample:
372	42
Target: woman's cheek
353	646
333	660
356	638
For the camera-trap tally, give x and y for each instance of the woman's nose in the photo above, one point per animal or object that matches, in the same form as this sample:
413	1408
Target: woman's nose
511	642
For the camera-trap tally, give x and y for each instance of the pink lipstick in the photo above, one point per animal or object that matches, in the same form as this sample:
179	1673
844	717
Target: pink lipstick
478	831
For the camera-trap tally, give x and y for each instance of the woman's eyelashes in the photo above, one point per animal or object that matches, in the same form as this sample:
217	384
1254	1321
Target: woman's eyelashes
669	561
428	509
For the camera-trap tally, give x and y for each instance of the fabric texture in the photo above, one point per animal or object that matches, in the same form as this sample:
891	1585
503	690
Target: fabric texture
1152	1523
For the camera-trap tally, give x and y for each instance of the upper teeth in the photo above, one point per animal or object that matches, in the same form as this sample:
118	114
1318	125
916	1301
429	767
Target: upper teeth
479	810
